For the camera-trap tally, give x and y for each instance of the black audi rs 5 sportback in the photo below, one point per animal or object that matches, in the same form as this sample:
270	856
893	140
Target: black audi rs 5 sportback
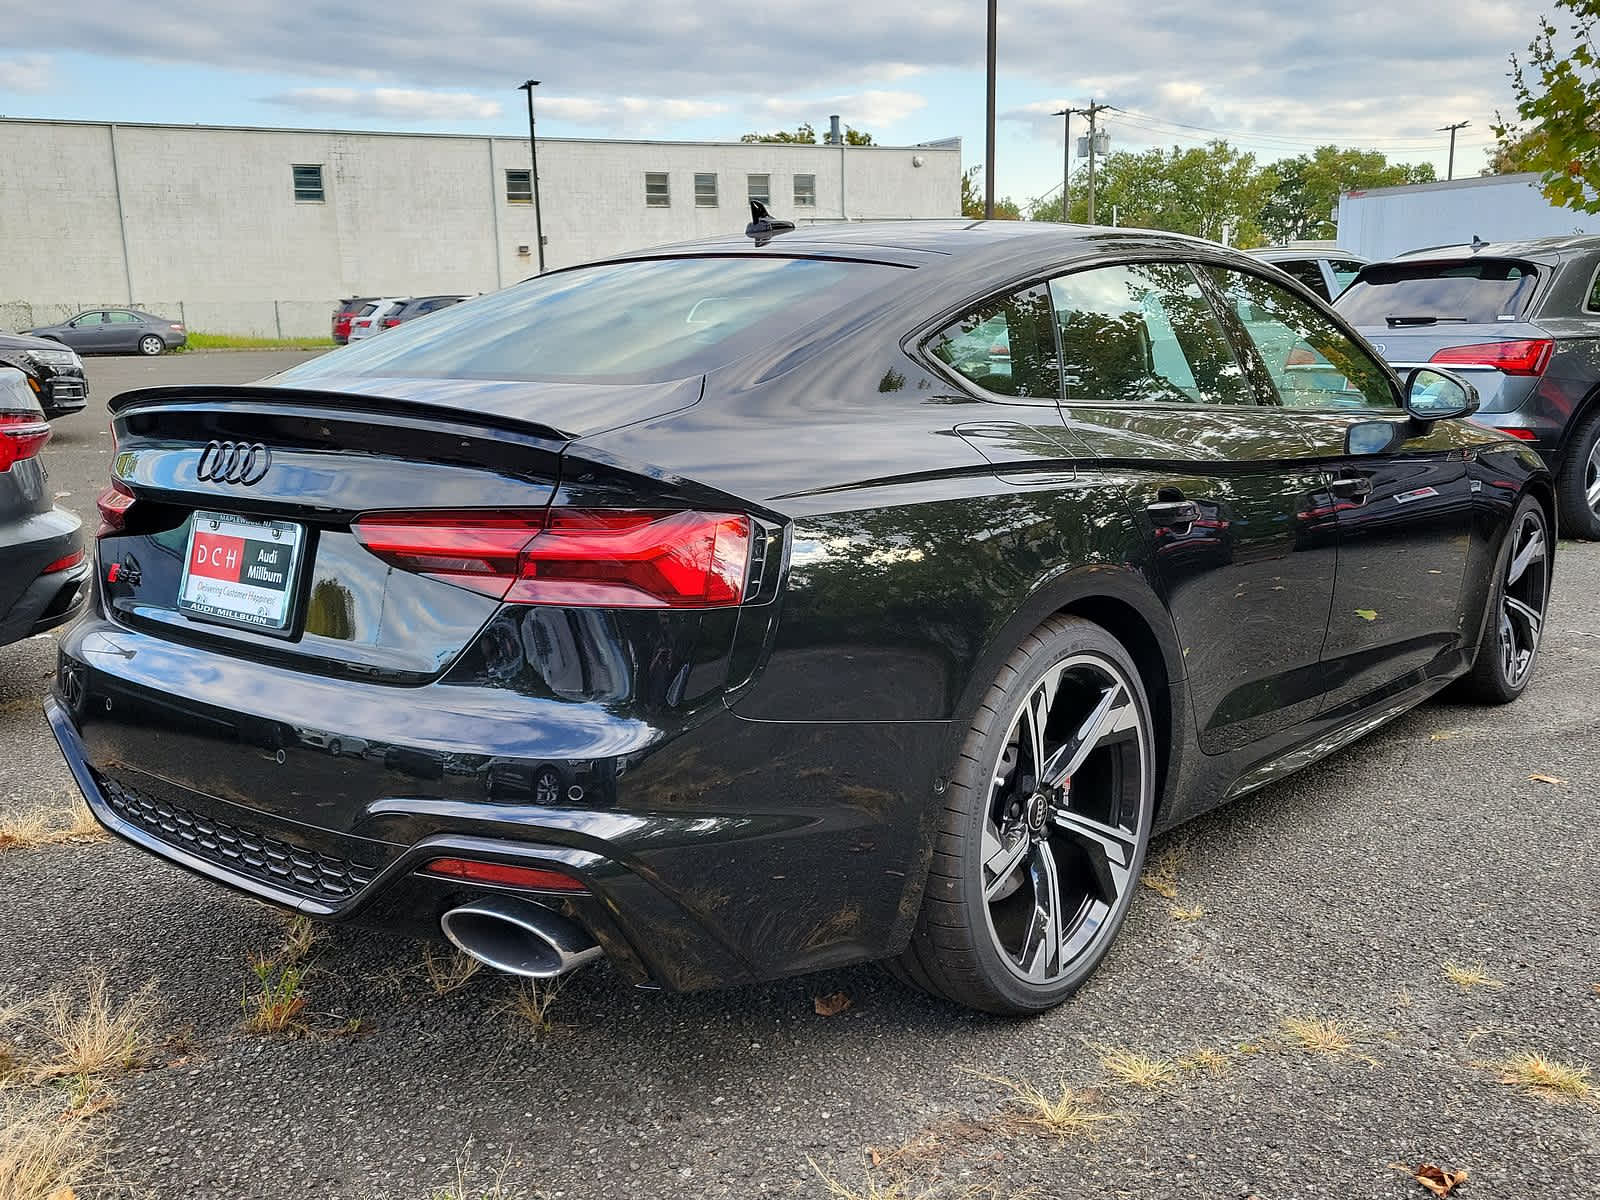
757	605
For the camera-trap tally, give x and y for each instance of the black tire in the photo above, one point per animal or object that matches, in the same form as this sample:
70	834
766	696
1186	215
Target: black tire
1579	518
151	345
957	949
1499	675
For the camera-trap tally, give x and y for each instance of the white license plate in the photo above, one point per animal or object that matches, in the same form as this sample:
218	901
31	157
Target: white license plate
241	571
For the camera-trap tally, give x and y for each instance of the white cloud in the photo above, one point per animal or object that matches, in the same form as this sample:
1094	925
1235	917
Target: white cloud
634	112
30	73
869	110
407	103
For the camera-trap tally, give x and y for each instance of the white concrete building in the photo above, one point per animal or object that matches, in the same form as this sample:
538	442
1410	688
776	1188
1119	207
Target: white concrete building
260	231
1383	222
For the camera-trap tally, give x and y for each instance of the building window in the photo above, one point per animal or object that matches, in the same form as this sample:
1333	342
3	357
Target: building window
760	188
308	183
705	191
519	187
805	191
656	193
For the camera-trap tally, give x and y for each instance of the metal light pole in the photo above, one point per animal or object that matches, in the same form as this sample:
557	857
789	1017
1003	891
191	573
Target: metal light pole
533	154
1066	159
988	156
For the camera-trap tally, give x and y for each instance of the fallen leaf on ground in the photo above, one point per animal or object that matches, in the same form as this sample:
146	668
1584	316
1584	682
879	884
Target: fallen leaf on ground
1444	735
832	1005
1439	1181
1550	779
1367	614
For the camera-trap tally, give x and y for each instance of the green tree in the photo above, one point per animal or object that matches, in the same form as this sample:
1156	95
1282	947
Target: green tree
1558	98
856	137
1211	191
1305	202
1515	152
1005	209
805	136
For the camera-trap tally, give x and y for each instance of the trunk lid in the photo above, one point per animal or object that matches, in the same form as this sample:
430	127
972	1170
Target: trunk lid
270	481
1414	346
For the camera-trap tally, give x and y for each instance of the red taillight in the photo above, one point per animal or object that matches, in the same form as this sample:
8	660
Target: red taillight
587	558
113	504
22	435
504	874
1528	356
390	322
1524	435
65	563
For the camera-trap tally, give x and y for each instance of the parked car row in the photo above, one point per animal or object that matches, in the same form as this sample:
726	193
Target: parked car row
362	316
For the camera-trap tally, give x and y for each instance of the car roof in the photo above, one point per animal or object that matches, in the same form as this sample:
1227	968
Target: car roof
915	243
1548	250
1295	251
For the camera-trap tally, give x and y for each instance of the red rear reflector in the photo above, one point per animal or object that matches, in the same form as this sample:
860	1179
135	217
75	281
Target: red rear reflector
113	504
21	436
1529	356
589	558
504	874
1526	435
64	563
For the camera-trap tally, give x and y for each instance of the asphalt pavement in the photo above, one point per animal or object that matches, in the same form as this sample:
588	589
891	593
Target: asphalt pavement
1454	834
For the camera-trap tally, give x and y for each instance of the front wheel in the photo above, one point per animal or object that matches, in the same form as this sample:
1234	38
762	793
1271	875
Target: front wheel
1044	827
150	345
1509	647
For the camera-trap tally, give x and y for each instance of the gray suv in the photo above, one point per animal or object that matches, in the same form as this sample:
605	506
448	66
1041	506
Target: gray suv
1521	321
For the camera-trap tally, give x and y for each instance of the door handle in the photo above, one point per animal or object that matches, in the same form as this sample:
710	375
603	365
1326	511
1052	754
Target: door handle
1351	487
1173	512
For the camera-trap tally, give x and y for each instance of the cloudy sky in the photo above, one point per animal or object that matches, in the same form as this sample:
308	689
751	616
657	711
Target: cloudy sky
1276	76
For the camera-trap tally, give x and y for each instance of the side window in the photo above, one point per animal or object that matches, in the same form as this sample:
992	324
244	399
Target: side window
1143	333
91	318
1308	273
1344	272
1005	346
1593	303
1311	361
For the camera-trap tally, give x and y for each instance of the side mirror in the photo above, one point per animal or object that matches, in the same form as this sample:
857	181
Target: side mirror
1435	395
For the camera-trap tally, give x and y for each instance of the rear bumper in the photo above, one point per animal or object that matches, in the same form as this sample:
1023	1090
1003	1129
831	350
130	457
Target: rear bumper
1546	433
718	852
50	599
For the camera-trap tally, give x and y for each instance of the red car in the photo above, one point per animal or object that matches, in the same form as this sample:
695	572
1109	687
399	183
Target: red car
341	316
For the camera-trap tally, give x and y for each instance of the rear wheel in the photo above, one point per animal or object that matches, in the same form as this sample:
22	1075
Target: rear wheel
1579	486
1044	827
1510	645
151	345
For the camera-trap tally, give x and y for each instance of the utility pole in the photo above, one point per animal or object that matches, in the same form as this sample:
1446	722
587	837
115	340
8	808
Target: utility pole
1092	112
1066	159
988	156
533	155
1450	171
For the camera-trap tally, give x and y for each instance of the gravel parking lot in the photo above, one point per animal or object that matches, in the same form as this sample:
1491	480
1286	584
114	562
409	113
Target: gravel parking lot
1291	996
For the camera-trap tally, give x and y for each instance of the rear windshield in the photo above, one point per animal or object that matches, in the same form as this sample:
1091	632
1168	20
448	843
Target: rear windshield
641	322
1478	292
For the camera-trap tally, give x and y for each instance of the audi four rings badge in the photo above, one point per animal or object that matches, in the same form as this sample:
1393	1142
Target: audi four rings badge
234	462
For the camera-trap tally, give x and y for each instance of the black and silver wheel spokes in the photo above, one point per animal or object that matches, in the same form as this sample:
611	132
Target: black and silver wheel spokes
1522	604
1063	820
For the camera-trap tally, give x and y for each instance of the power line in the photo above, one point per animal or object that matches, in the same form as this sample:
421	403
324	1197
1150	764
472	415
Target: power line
1169	124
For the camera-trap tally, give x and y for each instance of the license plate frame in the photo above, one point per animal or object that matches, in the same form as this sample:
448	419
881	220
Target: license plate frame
255	590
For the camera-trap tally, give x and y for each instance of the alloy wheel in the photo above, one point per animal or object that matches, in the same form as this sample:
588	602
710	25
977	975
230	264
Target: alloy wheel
1523	597
1065	814
151	345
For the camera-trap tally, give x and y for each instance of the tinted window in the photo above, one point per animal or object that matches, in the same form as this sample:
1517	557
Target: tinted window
1143	333
1005	346
1344	270
1308	273
624	322
1400	294
1312	362
1593	304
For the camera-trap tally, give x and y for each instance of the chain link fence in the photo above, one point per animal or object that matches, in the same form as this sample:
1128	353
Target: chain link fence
243	318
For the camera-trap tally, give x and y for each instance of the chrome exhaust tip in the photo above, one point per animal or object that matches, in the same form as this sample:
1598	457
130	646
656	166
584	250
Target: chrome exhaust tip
519	937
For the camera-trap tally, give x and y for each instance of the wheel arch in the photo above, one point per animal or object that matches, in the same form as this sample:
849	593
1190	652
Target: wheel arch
1121	601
